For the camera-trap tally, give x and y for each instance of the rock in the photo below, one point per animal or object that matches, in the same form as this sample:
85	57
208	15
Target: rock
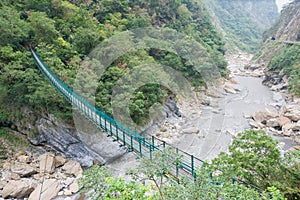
47	163
255	124
67	192
296	127
261	116
59	161
50	189
23	169
296	147
15	176
272	122
283	121
247	116
287	127
293	112
68	181
163	129
18	189
191	130
288	133
74	188
72	167
24	159
229	89
2	184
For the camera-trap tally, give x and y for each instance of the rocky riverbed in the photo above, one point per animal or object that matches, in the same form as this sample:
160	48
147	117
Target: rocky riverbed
208	124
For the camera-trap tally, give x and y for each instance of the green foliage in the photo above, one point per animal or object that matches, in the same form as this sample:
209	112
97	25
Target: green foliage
252	153
243	21
255	158
287	60
98	183
64	32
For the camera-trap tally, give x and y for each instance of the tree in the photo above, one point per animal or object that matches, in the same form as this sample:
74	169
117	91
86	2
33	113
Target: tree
254	158
42	28
98	183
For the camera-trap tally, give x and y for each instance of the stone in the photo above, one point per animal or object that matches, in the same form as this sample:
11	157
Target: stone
24	159
296	127
191	130
18	189
50	189
2	184
23	170
72	167
296	147
229	89
59	161
74	188
261	116
15	176
283	121
67	192
274	122
288	133
6	166
68	181
47	163
287	127
255	124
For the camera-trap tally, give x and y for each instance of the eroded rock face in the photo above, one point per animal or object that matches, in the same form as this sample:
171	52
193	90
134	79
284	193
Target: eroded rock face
82	147
18	189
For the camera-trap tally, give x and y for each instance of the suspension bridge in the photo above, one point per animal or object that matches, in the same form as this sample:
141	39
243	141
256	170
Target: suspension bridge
142	146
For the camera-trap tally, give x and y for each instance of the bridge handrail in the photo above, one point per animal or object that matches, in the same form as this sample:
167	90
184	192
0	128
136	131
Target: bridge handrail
127	137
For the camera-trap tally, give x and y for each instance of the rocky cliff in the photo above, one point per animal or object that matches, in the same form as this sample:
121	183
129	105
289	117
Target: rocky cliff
280	53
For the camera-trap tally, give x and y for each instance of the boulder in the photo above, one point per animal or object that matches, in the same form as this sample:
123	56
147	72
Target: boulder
73	168
24	159
59	161
74	188
229	89
18	189
23	169
261	116
283	121
293	112
47	163
191	130
255	124
272	122
287	128
50	189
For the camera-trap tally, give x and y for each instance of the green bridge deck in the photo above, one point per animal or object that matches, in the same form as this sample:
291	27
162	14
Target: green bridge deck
140	145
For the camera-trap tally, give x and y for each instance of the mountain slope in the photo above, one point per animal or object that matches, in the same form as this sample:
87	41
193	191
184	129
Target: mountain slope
282	55
243	21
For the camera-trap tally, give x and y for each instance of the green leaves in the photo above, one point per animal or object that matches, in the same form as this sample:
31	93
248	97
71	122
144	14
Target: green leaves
255	158
98	183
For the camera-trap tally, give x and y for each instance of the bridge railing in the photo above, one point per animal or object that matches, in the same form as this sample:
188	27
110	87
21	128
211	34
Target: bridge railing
142	146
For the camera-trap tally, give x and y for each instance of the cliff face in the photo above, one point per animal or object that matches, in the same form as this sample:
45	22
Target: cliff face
281	57
243	21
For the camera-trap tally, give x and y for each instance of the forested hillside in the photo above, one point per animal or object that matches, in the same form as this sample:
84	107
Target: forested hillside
243	22
281	56
64	32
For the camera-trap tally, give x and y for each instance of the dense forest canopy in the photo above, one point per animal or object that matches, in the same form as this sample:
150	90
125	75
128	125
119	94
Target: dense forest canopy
64	32
243	22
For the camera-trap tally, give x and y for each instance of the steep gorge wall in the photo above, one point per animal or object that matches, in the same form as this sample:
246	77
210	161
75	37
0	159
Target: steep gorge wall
243	22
